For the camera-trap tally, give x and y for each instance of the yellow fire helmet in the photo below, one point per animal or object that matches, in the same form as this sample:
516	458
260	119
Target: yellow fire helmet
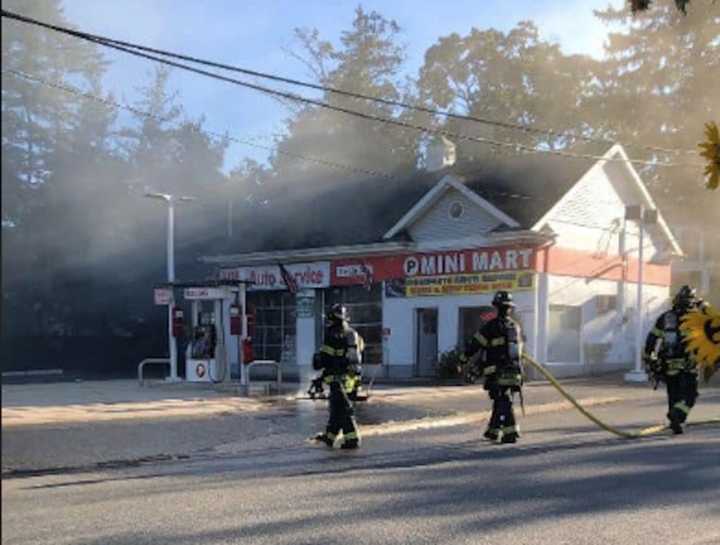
701	329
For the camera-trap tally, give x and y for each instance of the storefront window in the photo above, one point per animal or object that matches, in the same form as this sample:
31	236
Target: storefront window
274	325
365	309
471	320
564	334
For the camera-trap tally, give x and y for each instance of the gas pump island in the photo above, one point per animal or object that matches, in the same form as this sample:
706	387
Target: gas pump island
218	329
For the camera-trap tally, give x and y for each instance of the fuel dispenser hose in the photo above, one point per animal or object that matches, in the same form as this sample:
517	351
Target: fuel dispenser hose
607	427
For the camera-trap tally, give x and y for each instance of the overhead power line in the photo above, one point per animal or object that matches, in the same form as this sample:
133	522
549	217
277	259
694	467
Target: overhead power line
389	121
125	46
322	162
224	136
245	142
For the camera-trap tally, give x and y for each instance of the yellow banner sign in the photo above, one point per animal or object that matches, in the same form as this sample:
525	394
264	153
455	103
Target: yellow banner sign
460	284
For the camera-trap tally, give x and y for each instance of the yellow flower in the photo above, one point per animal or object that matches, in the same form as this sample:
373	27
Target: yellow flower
711	152
701	330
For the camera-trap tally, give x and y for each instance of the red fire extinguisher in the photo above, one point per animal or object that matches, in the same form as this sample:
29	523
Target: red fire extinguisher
247	349
235	320
251	324
178	322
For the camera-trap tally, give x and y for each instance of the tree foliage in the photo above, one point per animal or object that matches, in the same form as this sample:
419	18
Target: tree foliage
656	88
81	245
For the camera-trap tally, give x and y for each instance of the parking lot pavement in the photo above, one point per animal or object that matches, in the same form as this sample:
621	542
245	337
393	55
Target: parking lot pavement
65	425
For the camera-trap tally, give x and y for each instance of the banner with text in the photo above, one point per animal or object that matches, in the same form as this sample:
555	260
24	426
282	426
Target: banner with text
459	284
268	277
430	265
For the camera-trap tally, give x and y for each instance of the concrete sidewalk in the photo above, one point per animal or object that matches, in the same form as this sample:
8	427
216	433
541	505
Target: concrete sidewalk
67	425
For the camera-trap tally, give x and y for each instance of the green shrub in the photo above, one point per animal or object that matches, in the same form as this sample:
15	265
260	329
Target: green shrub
449	365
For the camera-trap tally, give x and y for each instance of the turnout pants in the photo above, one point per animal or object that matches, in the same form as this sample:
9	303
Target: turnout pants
502	421
682	391
342	416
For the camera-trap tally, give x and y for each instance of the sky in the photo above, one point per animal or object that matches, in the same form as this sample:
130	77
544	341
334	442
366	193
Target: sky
258	35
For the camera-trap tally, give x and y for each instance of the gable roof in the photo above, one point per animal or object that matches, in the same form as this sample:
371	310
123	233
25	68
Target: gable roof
617	152
430	198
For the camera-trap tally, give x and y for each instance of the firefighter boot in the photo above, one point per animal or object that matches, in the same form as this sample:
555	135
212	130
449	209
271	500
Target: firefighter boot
350	444
676	426
491	434
324	438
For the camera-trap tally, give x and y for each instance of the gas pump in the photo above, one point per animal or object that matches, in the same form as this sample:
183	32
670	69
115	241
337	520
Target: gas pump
206	355
178	321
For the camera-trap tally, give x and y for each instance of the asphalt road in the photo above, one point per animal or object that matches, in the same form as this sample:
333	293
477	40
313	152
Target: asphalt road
565	483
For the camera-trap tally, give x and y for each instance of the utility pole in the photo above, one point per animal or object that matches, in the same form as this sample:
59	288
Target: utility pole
643	217
172	341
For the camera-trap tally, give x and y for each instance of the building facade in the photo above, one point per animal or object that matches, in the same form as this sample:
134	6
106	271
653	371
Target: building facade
565	251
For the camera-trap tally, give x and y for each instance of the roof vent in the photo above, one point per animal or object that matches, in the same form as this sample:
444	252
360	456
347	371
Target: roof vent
440	154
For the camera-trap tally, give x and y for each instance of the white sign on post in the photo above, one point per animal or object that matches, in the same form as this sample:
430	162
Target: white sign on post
163	296
206	293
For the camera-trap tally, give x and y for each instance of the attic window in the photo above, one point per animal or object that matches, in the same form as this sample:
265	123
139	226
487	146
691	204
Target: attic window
456	210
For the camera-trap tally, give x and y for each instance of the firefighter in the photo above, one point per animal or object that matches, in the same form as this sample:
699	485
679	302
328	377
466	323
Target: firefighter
339	359
667	359
496	350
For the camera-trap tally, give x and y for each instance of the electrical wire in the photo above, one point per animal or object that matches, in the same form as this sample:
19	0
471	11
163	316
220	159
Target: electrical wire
489	194
334	90
298	98
245	142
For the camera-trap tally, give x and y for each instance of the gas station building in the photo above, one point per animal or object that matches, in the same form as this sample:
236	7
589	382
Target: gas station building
418	261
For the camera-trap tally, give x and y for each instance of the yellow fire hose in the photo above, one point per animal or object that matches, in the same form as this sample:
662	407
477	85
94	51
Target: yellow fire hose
607	427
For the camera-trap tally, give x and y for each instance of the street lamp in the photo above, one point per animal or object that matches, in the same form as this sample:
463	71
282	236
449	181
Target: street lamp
643	217
170	200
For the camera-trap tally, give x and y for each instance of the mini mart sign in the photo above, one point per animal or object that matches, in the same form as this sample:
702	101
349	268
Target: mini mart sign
424	265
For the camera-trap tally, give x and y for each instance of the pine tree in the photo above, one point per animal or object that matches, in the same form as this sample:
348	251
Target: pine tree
658	88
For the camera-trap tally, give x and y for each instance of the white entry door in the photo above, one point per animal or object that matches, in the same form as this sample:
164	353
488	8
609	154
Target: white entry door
427	341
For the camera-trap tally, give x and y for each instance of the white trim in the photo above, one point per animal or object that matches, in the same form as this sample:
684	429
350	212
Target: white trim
305	254
418	209
432	196
348	251
490	240
615	149
477	199
646	194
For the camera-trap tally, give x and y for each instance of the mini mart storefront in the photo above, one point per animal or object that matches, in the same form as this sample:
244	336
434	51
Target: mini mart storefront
409	307
412	306
431	302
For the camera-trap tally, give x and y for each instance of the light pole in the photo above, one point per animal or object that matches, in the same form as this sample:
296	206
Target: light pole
643	217
170	200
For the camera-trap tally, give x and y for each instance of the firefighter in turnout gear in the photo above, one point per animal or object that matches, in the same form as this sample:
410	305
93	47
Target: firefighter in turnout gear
667	359
496	351
340	359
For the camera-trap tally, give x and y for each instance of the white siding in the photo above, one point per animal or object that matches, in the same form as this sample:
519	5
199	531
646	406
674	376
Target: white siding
436	224
610	328
592	217
399	317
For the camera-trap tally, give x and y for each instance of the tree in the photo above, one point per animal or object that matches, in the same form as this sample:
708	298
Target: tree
514	77
657	88
367	61
643	5
34	117
39	124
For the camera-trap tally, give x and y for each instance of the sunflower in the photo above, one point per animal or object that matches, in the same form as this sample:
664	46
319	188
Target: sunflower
701	329
711	151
